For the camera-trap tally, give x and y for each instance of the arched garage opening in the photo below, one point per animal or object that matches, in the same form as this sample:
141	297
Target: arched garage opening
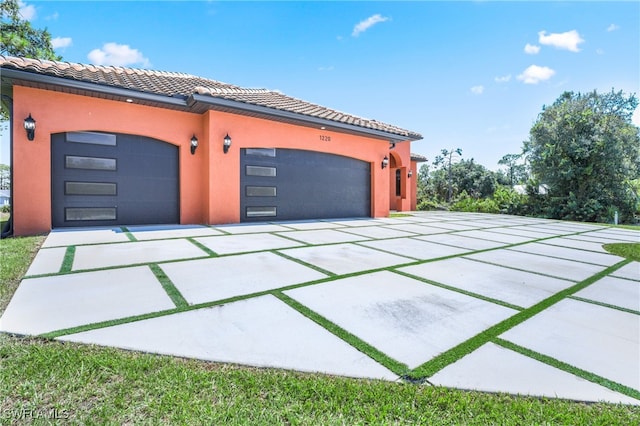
102	179
291	184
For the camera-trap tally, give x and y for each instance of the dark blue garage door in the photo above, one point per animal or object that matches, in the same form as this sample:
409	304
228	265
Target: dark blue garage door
113	179
288	184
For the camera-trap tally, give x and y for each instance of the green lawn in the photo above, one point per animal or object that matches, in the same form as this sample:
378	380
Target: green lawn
81	384
628	250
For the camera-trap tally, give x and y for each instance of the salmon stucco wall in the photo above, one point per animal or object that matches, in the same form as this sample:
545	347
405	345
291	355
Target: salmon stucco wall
209	179
57	112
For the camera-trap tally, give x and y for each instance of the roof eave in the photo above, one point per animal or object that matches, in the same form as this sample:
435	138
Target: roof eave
278	114
192	101
76	85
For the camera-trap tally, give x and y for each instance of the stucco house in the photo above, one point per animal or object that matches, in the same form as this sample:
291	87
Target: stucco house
109	146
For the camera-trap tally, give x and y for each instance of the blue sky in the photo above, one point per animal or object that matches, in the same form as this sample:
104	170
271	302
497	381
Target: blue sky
470	75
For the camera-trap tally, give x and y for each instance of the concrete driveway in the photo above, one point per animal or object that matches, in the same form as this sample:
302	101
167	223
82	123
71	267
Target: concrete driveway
472	301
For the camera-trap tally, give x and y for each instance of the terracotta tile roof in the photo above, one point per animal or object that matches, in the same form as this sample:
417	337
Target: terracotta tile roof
180	85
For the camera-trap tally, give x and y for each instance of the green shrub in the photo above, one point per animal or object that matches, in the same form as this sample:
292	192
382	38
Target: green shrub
428	205
465	203
509	201
5	208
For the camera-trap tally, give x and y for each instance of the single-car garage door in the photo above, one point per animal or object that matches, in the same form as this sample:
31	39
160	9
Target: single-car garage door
289	184
113	179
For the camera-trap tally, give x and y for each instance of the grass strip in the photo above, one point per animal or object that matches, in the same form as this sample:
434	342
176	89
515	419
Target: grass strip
602	381
169	287
459	290
395	366
452	355
67	262
303	263
606	305
202	247
626	250
128	234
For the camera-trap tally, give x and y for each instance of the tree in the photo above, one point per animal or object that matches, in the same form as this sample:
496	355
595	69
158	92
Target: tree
5	177
516	173
585	149
445	160
19	38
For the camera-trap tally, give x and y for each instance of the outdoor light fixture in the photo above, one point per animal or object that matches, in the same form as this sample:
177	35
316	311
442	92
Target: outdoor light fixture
226	143
392	145
194	144
385	162
30	127
410	173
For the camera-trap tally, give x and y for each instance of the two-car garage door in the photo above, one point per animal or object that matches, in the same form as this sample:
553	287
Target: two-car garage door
113	179
290	184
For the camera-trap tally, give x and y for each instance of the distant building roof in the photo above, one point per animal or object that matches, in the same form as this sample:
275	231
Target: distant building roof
185	91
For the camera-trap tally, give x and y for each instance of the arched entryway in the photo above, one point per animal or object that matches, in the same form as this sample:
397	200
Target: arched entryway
397	182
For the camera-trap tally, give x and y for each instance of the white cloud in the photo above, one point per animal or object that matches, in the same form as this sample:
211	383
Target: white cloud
567	41
27	11
118	55
535	74
531	49
60	42
600	51
503	79
612	27
477	90
363	26
52	17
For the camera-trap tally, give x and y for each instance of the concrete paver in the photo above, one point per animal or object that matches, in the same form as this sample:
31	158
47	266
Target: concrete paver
461	241
598	339
573	243
630	271
102	256
69	237
41	305
323	236
561	268
142	233
378	232
208	280
492	368
494	236
408	320
47	261
251	228
568	253
614	291
518	288
262	332
415	248
243	243
418	229
345	258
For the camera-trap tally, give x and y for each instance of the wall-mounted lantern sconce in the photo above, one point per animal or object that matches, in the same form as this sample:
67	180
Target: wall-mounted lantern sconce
392	145
410	174
194	144
385	161
30	127
226	143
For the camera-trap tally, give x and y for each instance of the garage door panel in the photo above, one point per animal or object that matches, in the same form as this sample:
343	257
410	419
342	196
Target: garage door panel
307	184
113	180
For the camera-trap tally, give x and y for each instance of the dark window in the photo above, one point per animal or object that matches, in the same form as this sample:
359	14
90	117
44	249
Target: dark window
398	183
89	188
89	163
90	213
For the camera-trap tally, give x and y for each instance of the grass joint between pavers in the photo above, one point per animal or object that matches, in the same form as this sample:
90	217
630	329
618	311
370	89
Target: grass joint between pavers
169	287
454	354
